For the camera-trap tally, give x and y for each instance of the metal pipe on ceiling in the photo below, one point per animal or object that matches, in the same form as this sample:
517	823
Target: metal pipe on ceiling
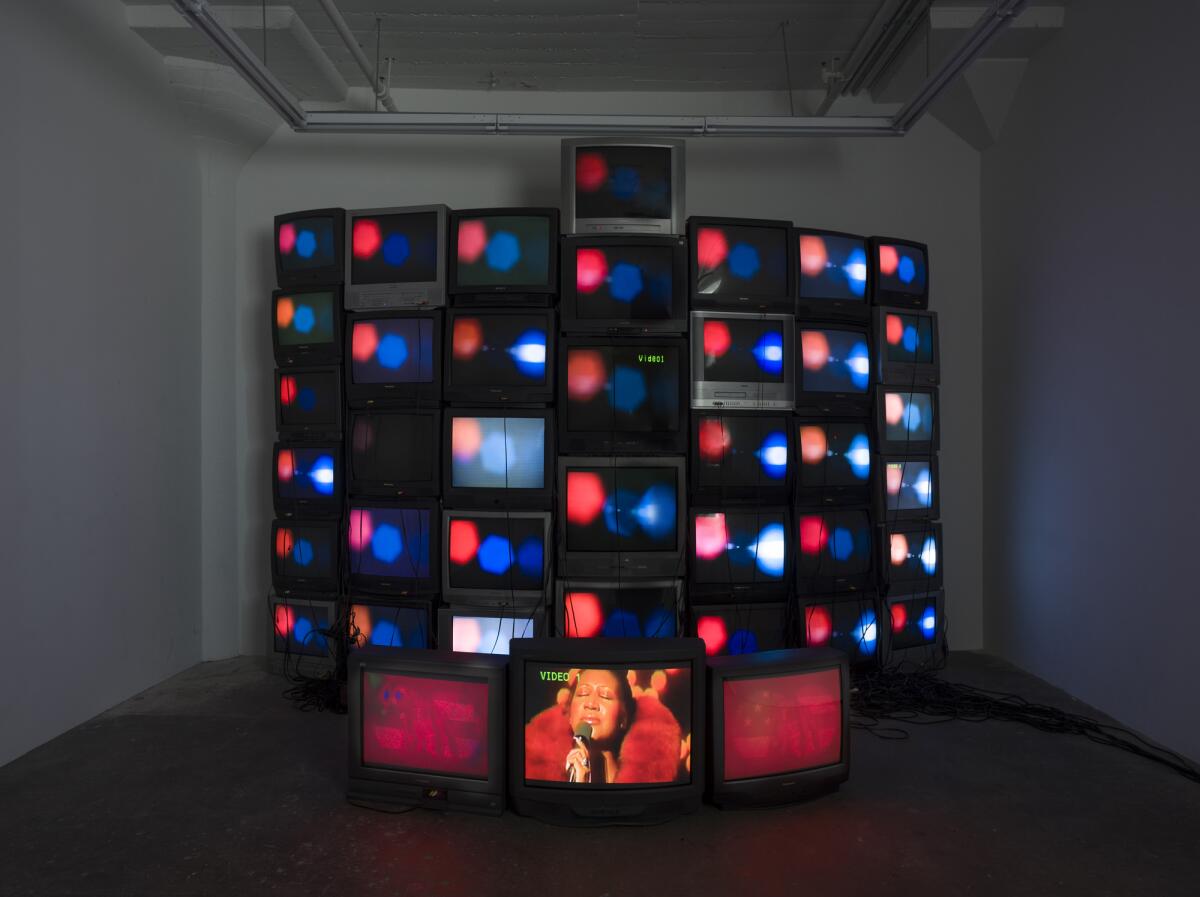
382	92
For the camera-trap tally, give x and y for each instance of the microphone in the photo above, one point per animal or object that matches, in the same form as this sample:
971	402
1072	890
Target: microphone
583	741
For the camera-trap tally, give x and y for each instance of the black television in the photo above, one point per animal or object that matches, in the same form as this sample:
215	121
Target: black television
743	361
910	556
627	285
303	636
499	356
308	403
741	456
621	517
622	397
832	275
849	624
916	628
309	247
589	608
742	628
396	257
833	370
498	457
506	257
392	548
779	724
406	623
305	557
427	730
908	487
834	461
496	557
834	550
307	479
395	454
606	731
906	419
907	345
901	273
740	554
394	359
622	185
488	630
741	264
306	326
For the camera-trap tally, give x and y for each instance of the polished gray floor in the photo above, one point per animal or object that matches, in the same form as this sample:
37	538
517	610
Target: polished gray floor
212	784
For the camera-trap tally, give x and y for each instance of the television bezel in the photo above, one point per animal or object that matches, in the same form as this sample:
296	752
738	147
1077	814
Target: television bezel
726	610
756	592
616	564
756	304
896	298
288	586
632	804
771	490
371	584
571	322
831	309
494	598
397	295
395	395
328	507
310	432
501	396
421	604
290	662
908	446
834	404
489	497
906	373
621	442
780	788
824	584
447	612
333	273
432	790
887	516
564	584
833	496
926	651
304	355
717	394
572	224
503	295
401	488
926	582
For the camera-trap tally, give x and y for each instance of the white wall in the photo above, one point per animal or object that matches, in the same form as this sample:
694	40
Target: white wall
925	185
100	353
1091	229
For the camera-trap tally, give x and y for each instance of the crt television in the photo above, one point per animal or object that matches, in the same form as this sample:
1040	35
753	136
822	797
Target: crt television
390	624
739	553
306	326
742	360
487	630
742	628
835	461
832	275
499	356
851	625
780	726
741	455
309	248
392	548
740	264
396	258
588	608
606	730
307	479
915	627
496	557
427	730
911	555
308	402
395	454
394	359
622	185
302	634
908	487
629	285
901	273
506	257
498	457
833	370
906	419
907	347
833	550
304	557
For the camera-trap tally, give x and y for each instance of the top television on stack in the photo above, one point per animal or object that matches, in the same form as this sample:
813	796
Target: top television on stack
396	257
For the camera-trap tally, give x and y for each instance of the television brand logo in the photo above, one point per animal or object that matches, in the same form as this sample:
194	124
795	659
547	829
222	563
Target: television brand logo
548	676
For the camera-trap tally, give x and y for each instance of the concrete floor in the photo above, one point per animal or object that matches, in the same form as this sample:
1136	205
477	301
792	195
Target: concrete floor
212	784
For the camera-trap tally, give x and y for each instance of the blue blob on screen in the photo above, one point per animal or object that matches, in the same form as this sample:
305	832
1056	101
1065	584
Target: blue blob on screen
306	634
304	319
859	456
841	544
856	272
306	245
306	399
743	641
392	351
859	363
656	511
768	351
386	634
906	269
302	552
620	513
625	281
495	555
743	261
386	543
660	624
321	475
770	551
912	416
923	487
929	558
529	354
866	632
495	451
772	455
629	389
626	182
503	251
910	339
531	557
622	623
396	250
928	623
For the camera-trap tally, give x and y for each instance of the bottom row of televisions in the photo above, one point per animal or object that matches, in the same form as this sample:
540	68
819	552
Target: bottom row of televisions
596	731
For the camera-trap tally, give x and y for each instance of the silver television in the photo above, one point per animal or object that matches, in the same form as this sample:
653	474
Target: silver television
742	360
615	185
396	257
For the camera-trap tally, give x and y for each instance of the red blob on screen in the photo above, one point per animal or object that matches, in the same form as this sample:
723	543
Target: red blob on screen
586	374
714	634
818	626
287	239
711	248
285	466
814	348
895	329
899	549
285	619
714	440
889	259
813	533
287	390
711	537
466	436
591	268
895	478
893	407
716	338
472	240
464	541
583	613
813	255
284	542
285	310
585	496
899	617
467	339
591	171
781	724
365	238
814	446
360	530
364	342
427	724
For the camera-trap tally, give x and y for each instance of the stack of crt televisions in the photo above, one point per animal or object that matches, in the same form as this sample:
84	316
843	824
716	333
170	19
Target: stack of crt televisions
308	472
907	424
622	391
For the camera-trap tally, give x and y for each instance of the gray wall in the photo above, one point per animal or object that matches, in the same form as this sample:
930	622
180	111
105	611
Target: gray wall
925	185
1090	234
100	360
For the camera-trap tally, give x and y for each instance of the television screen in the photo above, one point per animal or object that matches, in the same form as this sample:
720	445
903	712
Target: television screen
743	550
915	621
619	610
393	548
835	461
396	257
834	360
618	396
742	628
623	186
740	265
907	419
308	401
832	273
303	628
389	626
395	453
306	326
901	273
913	555
304	556
478	631
503	452
623	283
851	626
308	247
504	252
500	356
910	487
738	455
834	549
394	359
741	360
308	480
496	556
